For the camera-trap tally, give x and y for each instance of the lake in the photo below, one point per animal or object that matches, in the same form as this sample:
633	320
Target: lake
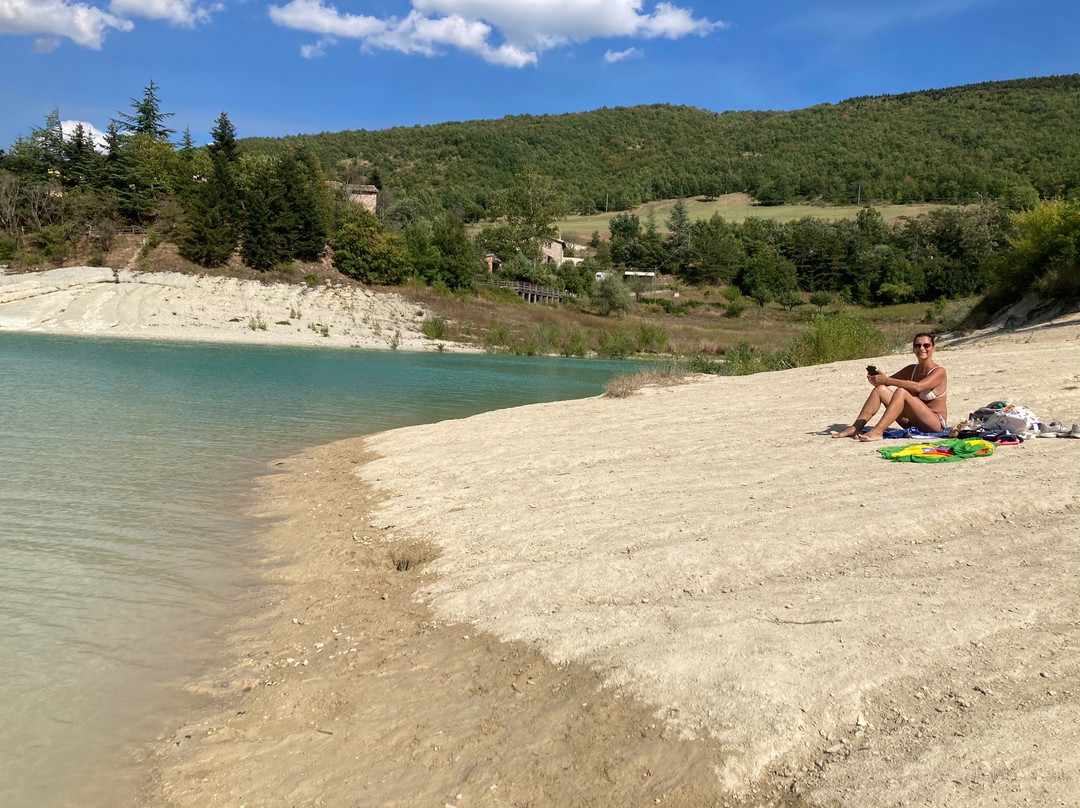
126	471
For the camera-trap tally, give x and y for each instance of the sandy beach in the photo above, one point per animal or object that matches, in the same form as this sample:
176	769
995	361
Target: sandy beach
98	301
688	597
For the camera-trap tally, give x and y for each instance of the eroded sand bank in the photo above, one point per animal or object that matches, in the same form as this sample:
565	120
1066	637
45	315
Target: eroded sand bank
174	306
687	597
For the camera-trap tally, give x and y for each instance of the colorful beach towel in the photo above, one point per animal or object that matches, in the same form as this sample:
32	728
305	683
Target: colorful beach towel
940	451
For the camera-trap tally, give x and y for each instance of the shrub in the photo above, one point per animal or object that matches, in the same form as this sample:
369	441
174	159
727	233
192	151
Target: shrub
615	345
574	344
498	335
611	297
699	363
434	328
790	300
622	385
734	309
821	298
651	338
546	338
836	337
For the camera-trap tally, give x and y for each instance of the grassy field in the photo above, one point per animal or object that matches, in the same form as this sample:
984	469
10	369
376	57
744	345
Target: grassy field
734	208
693	320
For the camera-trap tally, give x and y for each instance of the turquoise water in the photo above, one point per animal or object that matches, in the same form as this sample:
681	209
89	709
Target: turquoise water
124	472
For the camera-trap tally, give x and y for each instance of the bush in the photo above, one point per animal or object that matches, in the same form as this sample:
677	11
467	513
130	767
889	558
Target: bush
546	338
498	335
615	345
434	328
834	338
701	364
821	298
574	344
611	297
365	251
623	385
651	338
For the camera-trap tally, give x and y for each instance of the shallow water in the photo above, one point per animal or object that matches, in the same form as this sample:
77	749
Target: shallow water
124	471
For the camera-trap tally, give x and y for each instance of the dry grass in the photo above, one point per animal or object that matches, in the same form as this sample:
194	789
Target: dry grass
734	208
624	385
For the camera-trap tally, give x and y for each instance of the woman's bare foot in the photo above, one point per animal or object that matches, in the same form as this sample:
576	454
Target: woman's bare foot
873	434
846	433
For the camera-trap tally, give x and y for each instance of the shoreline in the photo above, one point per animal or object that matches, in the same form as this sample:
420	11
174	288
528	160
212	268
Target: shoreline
340	658
788	632
98	301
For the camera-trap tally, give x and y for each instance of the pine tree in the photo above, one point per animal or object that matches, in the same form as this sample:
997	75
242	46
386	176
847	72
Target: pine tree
212	209
147	117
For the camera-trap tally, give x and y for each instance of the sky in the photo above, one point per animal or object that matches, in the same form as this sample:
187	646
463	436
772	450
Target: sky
306	66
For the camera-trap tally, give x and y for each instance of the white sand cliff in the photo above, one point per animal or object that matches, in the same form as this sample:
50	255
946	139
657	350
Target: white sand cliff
175	306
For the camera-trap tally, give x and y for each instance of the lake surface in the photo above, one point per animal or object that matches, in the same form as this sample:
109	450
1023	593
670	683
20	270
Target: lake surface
125	474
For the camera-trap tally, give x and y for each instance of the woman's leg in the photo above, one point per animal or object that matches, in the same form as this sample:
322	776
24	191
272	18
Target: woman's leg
879	397
911	408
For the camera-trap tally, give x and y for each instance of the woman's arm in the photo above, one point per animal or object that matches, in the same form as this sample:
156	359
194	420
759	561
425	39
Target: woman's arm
902	379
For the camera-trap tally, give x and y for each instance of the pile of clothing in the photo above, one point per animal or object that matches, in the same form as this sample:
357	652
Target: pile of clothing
1000	422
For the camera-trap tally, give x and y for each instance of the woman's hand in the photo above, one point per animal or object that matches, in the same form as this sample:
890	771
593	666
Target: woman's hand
877	379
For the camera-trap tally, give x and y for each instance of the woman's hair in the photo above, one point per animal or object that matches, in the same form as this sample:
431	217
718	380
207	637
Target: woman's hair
930	334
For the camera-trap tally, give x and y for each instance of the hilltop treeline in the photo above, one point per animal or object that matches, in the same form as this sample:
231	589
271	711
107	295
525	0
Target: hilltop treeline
1013	140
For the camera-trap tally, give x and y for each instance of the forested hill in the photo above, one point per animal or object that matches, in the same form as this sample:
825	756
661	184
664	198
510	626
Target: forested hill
1000	139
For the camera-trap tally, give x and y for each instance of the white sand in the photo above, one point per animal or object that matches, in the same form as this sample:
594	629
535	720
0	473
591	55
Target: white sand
711	552
175	306
688	597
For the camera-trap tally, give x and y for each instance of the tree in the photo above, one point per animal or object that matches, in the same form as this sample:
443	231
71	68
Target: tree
363	250
530	206
212	210
626	247
146	117
459	262
680	230
610	296
717	253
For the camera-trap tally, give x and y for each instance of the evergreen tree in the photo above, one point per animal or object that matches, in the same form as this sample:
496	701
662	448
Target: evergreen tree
212	209
146	117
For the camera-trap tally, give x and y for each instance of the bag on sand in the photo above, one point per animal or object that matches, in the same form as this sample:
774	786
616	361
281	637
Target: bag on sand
1016	418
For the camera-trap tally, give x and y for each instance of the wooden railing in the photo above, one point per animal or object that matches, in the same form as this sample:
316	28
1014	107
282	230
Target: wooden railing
531	292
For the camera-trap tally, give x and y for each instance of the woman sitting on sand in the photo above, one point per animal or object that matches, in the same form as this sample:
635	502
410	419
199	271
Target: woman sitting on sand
917	400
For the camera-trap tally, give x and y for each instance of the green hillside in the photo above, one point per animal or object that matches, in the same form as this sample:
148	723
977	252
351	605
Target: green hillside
1012	140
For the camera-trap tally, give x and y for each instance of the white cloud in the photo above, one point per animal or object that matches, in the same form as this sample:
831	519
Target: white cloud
177	12
81	23
526	28
313	16
318	50
611	57
46	44
89	131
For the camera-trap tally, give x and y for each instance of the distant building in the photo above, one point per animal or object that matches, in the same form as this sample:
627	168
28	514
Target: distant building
493	262
365	195
554	252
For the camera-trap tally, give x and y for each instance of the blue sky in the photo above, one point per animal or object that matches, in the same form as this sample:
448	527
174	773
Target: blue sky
304	66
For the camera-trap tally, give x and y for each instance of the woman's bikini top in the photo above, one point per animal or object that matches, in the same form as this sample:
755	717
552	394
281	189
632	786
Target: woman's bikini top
927	395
